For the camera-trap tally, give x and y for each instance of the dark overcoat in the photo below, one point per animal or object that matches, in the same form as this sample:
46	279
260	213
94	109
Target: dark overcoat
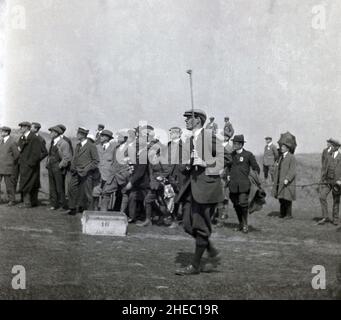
29	163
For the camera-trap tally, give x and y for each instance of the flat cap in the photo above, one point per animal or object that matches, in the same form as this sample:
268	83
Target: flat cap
334	142
101	126
175	128
197	113
7	129
61	126
25	124
107	133
268	138
146	127
83	130
56	129
36	124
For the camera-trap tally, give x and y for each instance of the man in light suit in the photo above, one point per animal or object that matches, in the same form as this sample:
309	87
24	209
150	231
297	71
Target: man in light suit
58	161
9	155
84	167
204	155
212	125
239	182
331	177
269	158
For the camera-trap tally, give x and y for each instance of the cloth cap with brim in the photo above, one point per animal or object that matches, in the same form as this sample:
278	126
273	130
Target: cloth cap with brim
175	128
6	129
268	138
238	138
83	131
61	126
36	124
197	113
56	129
101	126
334	142
145	127
107	133
25	124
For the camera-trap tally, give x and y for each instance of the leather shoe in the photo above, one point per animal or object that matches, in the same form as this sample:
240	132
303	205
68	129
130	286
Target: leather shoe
145	223
322	221
71	212
187	271
245	229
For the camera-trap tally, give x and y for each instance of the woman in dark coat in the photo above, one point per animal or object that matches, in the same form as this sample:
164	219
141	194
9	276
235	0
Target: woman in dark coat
285	179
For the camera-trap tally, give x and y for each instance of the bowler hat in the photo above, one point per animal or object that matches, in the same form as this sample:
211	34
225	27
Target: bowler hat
83	130
238	138
25	124
56	129
197	113
107	133
7	129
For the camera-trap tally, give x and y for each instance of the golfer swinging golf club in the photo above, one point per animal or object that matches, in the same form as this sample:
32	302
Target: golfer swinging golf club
202	189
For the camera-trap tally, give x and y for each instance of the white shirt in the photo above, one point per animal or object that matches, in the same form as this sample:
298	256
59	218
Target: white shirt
83	143
285	154
6	138
335	154
269	145
176	140
56	140
196	133
26	134
240	151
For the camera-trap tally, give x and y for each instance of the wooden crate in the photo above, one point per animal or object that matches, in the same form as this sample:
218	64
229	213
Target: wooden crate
105	223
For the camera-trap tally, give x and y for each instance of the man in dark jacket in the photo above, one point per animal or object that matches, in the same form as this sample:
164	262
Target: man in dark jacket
29	165
239	183
84	167
35	129
204	155
9	155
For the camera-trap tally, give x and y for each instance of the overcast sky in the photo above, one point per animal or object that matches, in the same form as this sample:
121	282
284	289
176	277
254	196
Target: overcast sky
82	62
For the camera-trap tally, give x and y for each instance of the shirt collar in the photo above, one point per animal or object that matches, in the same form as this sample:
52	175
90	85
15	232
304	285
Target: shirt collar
269	144
176	140
196	133
56	140
106	145
83	143
6	138
27	134
285	154
240	151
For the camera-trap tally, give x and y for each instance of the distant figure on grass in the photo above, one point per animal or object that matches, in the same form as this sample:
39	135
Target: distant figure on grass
269	159
228	130
99	130
331	182
212	126
284	188
9	155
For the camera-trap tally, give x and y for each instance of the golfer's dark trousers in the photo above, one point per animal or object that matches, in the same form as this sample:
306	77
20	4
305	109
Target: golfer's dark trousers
80	191
241	205
197	220
285	208
324	192
135	196
57	186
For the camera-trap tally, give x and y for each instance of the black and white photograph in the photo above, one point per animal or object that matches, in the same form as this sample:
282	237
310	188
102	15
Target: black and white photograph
170	150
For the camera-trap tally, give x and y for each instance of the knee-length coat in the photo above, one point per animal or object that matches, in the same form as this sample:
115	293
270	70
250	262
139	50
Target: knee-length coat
285	169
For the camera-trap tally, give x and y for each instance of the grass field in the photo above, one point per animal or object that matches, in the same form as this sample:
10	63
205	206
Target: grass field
273	261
